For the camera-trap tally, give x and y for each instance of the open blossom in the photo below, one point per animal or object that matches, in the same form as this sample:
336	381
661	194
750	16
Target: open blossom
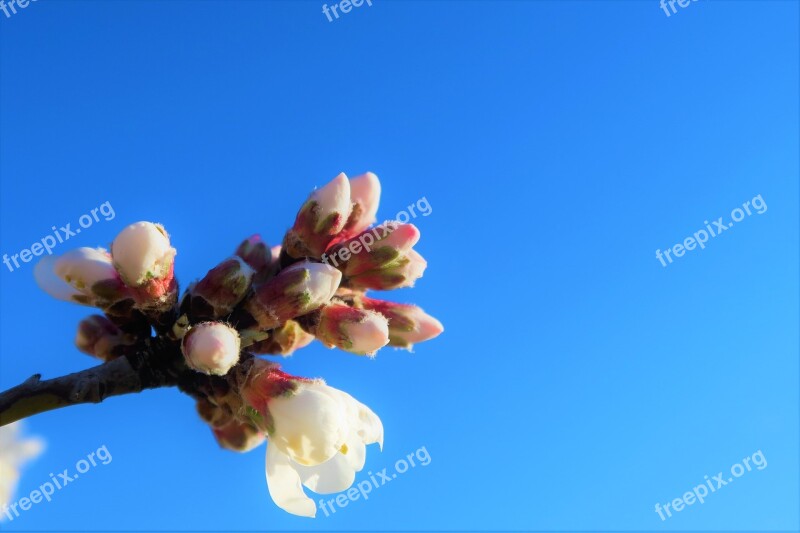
320	220
359	331
211	348
296	290
14	453
84	275
317	435
408	324
145	259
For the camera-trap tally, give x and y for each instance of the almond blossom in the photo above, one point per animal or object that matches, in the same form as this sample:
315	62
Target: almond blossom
260	300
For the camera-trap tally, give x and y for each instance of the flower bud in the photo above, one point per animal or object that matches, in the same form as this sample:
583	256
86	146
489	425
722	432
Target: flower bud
400	273
294	291
238	436
220	290
283	340
320	219
84	275
212	414
358	331
374	249
211	348
99	337
257	255
144	258
408	324
365	195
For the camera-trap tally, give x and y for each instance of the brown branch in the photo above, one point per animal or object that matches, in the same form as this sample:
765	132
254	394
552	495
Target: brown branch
154	365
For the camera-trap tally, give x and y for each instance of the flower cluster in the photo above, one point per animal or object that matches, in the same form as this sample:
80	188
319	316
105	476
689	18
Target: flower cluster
263	301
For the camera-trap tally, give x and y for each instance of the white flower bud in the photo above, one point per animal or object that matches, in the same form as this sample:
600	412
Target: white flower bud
142	252
84	275
83	267
211	348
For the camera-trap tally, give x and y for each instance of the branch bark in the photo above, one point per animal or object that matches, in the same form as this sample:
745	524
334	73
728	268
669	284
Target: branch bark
152	366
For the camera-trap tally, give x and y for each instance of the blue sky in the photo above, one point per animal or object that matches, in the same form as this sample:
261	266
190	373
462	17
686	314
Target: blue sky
560	144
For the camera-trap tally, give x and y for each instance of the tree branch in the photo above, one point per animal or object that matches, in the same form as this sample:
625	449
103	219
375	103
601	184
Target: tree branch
153	366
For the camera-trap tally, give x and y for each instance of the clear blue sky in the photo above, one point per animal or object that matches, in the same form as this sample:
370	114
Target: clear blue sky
560	144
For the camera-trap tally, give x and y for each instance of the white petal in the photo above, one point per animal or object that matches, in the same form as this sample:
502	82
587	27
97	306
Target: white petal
284	485
45	276
356	453
83	267
360	418
334	475
310	425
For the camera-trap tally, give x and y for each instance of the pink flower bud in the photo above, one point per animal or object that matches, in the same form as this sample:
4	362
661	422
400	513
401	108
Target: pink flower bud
358	331
99	337
211	348
257	255
365	195
212	414
374	249
400	273
221	289
294	291
238	436
320	219
408	324
283	340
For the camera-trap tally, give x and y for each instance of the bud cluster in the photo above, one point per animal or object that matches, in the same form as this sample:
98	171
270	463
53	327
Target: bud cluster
262	301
